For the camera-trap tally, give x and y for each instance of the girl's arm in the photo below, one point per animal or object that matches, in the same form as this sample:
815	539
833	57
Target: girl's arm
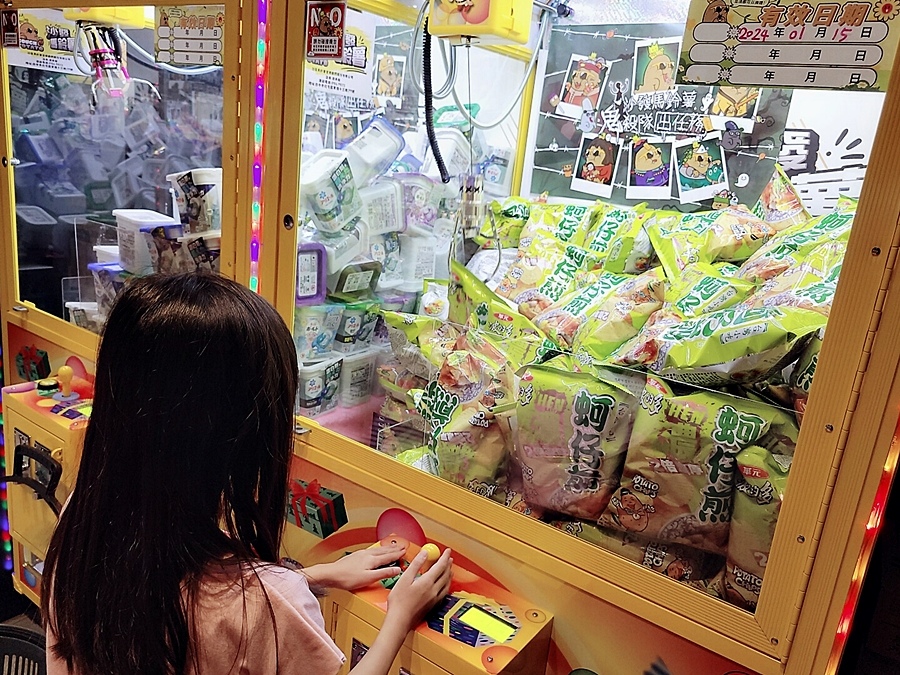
408	602
357	570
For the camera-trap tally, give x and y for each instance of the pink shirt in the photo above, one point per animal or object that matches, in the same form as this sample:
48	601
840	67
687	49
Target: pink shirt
303	644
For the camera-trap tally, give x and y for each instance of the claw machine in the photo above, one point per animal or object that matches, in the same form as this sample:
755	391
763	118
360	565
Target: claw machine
585	346
120	158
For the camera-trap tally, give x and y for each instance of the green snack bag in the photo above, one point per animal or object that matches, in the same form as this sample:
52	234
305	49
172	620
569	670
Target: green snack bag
678	480
702	288
573	431
630	250
619	316
759	492
566	223
681	563
730	345
779	204
465	292
420	343
791	247
562	320
804	372
419	458
608	221
543	272
509	217
729	234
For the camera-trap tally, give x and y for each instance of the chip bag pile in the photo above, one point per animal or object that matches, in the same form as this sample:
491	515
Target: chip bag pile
636	379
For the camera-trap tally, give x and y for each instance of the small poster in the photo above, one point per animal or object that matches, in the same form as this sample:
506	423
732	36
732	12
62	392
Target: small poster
46	39
325	29
190	35
808	44
9	27
350	76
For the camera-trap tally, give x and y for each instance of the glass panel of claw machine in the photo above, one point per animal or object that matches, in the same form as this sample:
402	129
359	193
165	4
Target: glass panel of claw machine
623	352
381	241
117	129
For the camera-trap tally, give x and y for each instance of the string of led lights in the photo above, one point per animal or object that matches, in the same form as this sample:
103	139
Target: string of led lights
262	71
6	557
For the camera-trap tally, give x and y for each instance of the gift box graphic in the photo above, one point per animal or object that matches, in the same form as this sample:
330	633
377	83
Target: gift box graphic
32	364
316	509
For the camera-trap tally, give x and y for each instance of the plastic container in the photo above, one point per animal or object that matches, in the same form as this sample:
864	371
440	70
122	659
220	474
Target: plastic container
34	227
419	200
418	248
356	279
107	254
327	185
356	327
314	329
312	260
399	297
374	150
383	204
61	198
385	249
82	313
204	250
198	196
456	151
358	377
136	253
497	172
109	280
319	382
341	248
169	255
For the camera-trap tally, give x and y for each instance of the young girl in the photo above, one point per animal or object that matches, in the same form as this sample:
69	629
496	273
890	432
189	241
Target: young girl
165	557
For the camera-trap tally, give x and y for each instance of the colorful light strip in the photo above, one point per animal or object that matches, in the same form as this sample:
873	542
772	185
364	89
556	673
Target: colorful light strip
873	526
6	556
262	72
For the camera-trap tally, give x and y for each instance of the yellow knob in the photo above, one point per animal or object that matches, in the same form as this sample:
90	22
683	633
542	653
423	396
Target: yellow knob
65	376
432	551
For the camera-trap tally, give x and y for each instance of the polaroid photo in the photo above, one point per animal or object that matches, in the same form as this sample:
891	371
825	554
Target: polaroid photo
735	104
655	63
595	170
346	128
649	169
316	123
390	76
700	168
583	87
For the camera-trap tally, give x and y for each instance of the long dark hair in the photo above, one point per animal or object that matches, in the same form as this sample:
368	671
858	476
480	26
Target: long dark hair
185	464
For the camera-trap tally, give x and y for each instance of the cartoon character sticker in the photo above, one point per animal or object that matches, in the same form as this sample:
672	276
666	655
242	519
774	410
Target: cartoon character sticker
654	65
595	170
460	12
716	12
649	169
735	105
585	80
346	128
390	73
701	169
30	38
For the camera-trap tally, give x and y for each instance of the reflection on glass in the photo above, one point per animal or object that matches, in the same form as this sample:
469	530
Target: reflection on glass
98	125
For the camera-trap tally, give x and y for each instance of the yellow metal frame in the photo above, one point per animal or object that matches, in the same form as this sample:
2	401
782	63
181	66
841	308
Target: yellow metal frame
236	240
831	488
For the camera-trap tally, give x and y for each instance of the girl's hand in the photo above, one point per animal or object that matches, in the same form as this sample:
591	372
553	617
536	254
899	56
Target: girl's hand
413	595
359	569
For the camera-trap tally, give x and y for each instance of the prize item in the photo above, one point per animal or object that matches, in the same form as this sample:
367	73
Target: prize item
608	224
573	431
357	280
435	302
791	247
137	255
383	205
420	200
374	150
491	265
328	186
341	248
702	288
730	345
420	343
779	204
109	280
759	491
319	382
385	249
504	223
619	316
312	259
198	197
679	476
417	247
804	372
629	251
357	324
314	329
698	569
358	378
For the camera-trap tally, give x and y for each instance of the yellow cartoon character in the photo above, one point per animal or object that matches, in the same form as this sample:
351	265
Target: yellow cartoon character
734	101
584	84
659	75
630	513
344	131
698	169
598	161
30	38
649	169
447	13
716	12
389	78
